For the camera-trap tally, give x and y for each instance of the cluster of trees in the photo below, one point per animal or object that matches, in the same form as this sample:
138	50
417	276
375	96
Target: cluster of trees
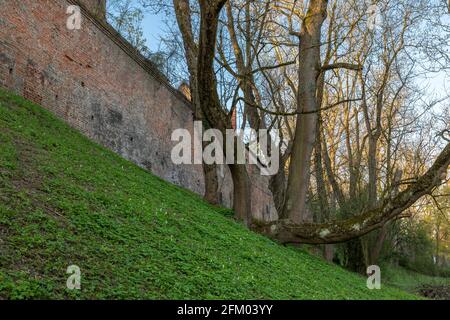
421	243
363	139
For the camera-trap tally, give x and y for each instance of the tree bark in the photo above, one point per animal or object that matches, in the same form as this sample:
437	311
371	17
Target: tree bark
241	193
305	133
356	257
210	103
184	20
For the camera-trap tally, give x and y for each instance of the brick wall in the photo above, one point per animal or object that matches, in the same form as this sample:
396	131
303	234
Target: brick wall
100	85
96	7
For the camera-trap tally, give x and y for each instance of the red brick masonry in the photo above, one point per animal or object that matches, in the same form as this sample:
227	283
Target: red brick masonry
95	81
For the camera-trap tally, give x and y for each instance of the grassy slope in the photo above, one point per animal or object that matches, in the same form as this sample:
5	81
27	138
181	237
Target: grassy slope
65	200
409	280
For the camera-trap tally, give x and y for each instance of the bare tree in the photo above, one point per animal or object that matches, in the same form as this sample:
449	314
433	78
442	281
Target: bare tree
346	82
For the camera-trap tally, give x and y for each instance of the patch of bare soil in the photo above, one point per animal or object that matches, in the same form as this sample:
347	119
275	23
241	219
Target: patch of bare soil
27	178
437	292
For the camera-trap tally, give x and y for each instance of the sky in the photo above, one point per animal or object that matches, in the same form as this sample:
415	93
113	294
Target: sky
153	27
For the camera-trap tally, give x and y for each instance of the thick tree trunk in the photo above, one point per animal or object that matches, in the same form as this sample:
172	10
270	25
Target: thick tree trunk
211	184
277	186
210	103
241	193
209	170
305	133
328	252
184	20
355	256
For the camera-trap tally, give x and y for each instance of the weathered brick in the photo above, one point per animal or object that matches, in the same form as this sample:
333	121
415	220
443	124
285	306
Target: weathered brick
96	82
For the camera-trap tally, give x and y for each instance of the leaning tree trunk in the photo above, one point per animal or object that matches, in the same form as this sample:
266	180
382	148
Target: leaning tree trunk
285	231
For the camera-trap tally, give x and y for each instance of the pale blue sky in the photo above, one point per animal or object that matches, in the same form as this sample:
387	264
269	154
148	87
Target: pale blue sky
153	26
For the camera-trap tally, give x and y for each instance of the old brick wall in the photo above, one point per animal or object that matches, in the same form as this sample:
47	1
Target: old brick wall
100	85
